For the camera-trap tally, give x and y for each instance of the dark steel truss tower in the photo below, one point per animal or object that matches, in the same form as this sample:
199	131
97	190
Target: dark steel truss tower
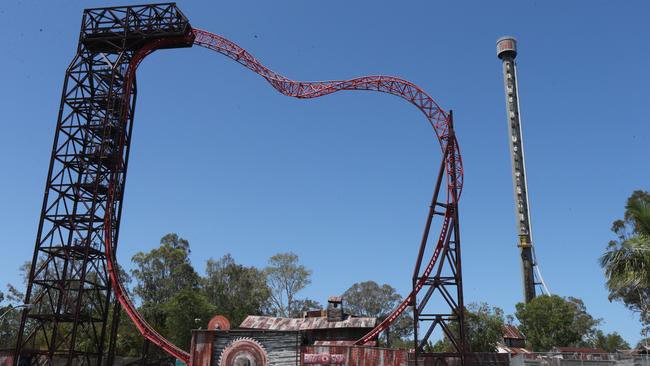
68	281
440	306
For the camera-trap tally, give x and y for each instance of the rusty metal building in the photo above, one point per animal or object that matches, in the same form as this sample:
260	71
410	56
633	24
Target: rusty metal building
320	337
313	329
282	348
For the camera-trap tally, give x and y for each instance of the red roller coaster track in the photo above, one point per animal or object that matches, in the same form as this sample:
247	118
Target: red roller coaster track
440	121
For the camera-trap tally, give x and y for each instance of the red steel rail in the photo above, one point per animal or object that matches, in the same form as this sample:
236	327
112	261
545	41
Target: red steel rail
439	120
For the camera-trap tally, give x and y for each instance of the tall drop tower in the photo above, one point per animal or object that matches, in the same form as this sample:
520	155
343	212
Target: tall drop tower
507	51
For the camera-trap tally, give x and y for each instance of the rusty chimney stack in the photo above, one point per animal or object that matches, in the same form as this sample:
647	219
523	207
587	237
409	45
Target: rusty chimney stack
335	309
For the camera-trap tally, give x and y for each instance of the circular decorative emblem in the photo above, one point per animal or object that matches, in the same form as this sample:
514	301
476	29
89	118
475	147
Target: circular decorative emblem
243	352
219	322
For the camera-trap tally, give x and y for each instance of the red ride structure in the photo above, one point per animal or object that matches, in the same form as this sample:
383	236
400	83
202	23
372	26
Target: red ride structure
74	270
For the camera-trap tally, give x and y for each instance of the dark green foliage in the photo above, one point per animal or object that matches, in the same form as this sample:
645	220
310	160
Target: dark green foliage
160	275
9	316
550	321
637	213
483	327
129	342
9	321
611	342
163	272
187	310
627	259
235	290
369	299
176	242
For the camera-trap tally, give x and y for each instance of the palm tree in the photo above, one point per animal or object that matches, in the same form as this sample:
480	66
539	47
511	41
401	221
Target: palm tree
627	264
638	210
627	260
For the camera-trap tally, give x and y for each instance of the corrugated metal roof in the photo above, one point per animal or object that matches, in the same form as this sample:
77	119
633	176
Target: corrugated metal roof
502	348
334	343
635	351
292	324
578	350
343	343
510	331
335	299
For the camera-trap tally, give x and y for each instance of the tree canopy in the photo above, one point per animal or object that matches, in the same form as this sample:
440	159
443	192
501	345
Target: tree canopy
185	311
8	324
176	242
370	299
549	321
483	329
626	261
610	342
163	272
9	315
286	277
236	290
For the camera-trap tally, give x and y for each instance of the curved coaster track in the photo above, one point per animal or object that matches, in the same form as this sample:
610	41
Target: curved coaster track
74	270
439	120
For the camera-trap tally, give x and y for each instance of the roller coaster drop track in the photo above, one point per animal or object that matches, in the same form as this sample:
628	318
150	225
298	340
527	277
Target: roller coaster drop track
439	120
74	269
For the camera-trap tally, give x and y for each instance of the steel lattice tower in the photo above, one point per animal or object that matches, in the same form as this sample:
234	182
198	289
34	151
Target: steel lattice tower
68	282
445	283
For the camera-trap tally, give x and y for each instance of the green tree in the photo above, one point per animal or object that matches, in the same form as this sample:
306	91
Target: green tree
627	259
302	305
483	329
286	277
369	299
186	310
235	290
9	325
176	242
9	316
7	331
160	274
549	321
610	342
129	342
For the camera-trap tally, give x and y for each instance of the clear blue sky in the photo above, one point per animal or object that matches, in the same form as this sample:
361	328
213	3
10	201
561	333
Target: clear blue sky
344	181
